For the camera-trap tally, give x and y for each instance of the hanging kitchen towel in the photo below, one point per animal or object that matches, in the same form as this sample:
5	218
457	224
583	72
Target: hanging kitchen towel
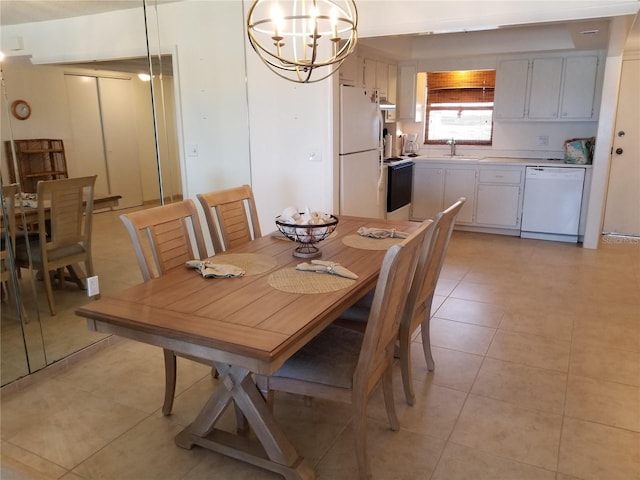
579	150
381	233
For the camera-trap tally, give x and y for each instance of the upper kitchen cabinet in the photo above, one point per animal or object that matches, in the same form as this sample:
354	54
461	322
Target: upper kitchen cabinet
406	99
548	88
350	72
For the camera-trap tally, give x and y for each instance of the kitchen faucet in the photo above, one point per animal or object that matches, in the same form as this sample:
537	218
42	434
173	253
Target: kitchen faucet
452	143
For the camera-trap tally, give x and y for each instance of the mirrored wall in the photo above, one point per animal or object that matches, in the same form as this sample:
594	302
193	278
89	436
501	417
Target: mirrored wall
108	124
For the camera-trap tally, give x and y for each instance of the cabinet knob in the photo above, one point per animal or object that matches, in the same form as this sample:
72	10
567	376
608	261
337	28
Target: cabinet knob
619	151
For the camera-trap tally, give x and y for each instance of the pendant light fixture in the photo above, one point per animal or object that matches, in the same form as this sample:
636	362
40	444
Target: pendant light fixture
303	41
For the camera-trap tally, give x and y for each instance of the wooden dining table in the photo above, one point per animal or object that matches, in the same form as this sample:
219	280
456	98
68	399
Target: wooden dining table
30	211
247	324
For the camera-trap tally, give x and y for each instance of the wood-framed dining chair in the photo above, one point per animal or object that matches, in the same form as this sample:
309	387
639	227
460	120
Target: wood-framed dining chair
164	238
231	216
417	311
67	204
346	365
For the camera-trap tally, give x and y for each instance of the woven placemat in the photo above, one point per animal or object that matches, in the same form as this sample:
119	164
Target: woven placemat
251	263
368	243
295	281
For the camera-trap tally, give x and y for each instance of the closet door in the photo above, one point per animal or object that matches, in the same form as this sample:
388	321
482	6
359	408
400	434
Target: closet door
121	144
104	136
85	152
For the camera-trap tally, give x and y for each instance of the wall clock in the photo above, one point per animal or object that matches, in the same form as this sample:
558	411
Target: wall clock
21	109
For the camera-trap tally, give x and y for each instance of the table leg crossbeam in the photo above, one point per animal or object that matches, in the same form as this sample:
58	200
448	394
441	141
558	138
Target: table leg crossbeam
272	451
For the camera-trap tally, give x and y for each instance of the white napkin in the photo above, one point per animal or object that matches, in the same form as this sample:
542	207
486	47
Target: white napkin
322	266
381	233
215	270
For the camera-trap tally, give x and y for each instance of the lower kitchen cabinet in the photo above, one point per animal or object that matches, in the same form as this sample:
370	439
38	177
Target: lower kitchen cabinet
494	195
427	192
461	182
497	205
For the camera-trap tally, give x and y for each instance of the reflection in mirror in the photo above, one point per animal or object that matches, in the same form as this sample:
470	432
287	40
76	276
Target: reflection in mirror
103	116
15	362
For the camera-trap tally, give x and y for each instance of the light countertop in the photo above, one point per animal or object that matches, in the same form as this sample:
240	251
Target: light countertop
480	160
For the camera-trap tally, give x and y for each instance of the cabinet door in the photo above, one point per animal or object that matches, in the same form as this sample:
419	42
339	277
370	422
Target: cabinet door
349	71
406	105
497	205
546	77
511	89
391	92
382	79
427	192
370	67
461	183
578	92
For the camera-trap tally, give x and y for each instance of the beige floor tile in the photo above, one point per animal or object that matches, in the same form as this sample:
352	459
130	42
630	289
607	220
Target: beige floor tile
481	292
532	350
18	463
463	463
529	387
510	431
402	455
621	366
64	424
499	273
148	450
604	402
461	336
434	413
214	466
438	300
103	374
454	369
592	451
468	311
539	322
454	268
445	286
609	330
71	476
313	429
562	476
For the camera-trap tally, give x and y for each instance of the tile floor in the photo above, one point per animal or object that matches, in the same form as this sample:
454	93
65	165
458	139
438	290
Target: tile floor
537	348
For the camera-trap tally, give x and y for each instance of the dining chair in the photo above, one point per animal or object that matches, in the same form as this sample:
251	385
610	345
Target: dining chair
66	207
346	365
231	216
418	306
164	238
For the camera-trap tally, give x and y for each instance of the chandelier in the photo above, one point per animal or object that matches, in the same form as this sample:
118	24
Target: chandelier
303	41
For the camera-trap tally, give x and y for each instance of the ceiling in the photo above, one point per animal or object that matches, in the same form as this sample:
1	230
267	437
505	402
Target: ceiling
563	35
13	12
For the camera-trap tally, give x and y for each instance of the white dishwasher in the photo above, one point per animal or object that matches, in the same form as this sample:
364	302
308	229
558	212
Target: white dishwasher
552	202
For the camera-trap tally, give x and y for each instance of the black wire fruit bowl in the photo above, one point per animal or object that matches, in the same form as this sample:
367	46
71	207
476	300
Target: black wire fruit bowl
306	236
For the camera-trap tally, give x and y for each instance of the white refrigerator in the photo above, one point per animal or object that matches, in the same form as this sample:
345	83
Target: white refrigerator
362	191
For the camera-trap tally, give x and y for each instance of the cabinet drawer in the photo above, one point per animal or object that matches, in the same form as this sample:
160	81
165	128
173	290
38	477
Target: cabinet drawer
500	176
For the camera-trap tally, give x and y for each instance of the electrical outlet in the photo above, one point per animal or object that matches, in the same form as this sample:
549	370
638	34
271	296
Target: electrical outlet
93	288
